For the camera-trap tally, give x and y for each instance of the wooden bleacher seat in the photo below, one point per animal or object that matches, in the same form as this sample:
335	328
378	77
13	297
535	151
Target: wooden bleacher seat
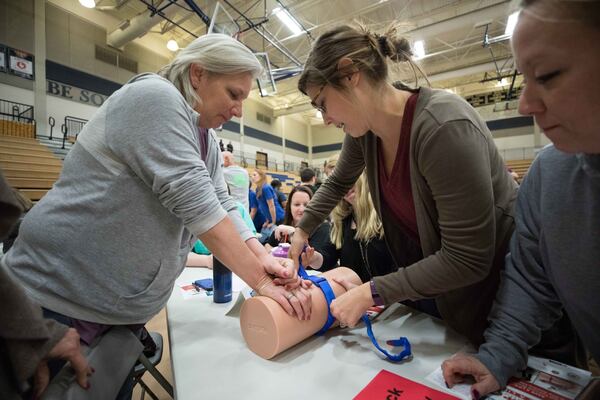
28	165
521	167
16	129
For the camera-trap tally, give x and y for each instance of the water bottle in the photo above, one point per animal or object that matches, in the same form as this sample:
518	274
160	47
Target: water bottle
221	282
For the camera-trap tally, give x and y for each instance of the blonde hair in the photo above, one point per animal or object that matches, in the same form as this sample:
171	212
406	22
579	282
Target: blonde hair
331	162
216	53
261	181
368	223
368	51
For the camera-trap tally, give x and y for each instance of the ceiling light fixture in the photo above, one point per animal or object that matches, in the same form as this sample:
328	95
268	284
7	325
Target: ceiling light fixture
502	82
419	49
172	45
88	3
288	20
319	114
511	23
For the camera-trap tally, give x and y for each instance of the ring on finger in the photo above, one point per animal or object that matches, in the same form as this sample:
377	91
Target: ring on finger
289	295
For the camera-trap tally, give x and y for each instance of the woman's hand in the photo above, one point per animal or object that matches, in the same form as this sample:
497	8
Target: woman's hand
312	258
307	256
69	349
350	306
295	302
283	231
459	365
267	224
276	266
299	240
291	283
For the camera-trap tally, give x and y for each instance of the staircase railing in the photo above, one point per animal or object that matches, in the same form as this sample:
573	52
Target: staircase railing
71	128
17	112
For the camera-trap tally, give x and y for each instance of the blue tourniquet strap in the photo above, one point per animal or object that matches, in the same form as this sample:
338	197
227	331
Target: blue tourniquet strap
330	296
327	291
403	355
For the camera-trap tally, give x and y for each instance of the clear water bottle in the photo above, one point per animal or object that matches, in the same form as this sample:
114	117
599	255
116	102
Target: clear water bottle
221	282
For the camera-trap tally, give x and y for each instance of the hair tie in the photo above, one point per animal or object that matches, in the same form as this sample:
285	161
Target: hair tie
383	45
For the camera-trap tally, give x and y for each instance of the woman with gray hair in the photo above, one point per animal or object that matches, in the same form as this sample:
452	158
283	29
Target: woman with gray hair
143	180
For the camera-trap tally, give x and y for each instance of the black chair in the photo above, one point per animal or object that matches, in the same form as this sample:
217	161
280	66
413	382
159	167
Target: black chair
148	364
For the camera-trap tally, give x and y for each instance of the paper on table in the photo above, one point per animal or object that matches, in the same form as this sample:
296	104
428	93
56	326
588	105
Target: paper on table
461	390
188	290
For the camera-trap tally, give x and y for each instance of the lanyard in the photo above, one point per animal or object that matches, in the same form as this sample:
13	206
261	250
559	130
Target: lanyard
322	284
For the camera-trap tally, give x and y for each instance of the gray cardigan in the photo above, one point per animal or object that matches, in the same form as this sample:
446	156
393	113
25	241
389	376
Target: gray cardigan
108	241
463	198
553	262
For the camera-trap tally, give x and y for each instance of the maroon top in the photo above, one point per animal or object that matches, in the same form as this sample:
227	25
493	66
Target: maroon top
395	190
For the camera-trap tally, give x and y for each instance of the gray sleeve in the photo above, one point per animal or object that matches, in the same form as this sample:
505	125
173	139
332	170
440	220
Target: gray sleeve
150	128
222	194
349	167
526	303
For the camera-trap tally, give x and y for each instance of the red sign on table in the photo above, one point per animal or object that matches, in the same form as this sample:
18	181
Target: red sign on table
389	386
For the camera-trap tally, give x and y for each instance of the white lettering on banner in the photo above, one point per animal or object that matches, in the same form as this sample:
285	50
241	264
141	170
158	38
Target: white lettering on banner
21	65
75	93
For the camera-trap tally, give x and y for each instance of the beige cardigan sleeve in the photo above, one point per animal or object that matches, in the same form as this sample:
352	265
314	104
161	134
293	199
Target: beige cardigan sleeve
454	162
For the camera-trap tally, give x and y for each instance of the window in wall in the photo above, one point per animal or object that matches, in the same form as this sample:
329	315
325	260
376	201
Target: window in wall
262	160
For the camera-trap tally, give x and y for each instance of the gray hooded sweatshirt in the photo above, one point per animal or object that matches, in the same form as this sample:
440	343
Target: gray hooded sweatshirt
108	241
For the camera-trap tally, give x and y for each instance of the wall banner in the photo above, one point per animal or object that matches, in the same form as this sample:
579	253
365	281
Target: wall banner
74	93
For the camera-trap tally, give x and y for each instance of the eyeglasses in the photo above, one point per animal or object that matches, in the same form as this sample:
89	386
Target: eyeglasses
321	108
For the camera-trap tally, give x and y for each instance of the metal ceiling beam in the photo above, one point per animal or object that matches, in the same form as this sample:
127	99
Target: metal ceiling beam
267	37
205	18
468	19
137	26
458	73
294	109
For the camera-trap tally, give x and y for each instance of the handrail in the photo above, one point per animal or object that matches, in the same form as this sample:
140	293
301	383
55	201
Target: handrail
72	127
17	103
51	123
17	112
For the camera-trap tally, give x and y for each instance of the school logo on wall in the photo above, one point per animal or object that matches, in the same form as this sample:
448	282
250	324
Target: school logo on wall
20	63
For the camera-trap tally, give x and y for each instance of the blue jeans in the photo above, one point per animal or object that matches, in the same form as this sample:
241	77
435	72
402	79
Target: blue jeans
266	233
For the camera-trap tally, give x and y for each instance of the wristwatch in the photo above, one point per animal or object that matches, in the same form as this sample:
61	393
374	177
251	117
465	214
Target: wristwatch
377	299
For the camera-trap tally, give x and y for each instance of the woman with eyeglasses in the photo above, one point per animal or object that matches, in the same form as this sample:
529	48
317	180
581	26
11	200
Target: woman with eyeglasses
435	175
